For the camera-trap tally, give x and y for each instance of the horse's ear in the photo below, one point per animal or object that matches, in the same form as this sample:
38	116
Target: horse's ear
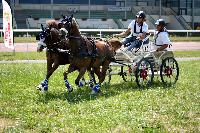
72	16
42	26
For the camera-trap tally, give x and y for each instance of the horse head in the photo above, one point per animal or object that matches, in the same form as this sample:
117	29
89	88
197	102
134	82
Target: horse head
115	44
71	25
41	37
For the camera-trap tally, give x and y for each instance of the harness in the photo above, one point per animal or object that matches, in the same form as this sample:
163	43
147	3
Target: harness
135	28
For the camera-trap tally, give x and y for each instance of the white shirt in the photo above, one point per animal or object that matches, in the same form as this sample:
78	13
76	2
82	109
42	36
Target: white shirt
161	39
138	27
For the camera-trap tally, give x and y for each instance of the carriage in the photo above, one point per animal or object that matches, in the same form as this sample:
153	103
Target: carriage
96	57
143	64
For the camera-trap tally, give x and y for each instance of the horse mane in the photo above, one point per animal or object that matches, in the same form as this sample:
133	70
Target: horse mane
53	23
75	23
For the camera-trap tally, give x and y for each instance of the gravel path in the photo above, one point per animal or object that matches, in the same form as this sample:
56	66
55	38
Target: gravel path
29	47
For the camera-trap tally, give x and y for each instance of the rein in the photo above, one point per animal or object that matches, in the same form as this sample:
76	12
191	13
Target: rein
76	37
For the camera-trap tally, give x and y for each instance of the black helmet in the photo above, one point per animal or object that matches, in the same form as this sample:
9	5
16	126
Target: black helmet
141	14
160	22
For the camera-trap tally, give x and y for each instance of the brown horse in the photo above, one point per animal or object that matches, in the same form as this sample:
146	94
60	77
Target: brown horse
56	52
87	55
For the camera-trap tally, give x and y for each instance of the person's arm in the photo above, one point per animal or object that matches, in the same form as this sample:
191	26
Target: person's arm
124	33
141	36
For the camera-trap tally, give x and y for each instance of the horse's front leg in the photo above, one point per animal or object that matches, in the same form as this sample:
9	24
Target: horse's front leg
43	86
65	74
81	73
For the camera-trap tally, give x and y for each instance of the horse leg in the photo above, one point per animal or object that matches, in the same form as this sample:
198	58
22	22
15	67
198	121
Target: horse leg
104	69
68	86
43	86
81	73
96	88
101	73
92	80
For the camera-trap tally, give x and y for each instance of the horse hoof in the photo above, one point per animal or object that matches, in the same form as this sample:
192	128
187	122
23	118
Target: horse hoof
39	87
95	92
42	88
81	83
70	89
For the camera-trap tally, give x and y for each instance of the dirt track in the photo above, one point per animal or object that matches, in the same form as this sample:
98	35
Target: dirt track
29	47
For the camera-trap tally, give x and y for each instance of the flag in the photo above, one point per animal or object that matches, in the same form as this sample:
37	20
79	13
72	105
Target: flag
7	25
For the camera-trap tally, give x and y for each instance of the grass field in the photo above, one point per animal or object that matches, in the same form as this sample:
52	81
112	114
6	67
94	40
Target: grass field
122	107
42	56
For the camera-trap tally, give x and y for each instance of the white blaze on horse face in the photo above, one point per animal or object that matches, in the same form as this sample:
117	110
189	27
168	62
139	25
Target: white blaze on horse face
41	45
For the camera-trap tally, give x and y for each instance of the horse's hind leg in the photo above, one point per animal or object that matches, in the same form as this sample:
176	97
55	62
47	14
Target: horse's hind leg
103	71
101	76
96	88
68	86
92	78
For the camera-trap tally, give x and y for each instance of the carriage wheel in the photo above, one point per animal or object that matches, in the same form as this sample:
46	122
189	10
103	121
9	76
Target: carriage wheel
144	73
127	73
169	71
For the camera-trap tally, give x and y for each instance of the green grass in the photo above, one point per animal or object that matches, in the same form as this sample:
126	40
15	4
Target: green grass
23	56
42	55
120	108
184	39
194	53
172	38
22	39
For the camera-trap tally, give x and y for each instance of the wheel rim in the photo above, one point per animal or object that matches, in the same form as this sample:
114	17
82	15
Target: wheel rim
144	73
169	71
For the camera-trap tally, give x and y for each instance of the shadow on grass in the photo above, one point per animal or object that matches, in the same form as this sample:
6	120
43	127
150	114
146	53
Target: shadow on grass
84	94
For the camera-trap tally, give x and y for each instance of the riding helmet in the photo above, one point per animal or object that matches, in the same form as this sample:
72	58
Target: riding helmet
141	14
160	22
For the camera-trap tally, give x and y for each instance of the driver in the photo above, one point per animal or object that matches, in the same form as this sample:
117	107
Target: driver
138	29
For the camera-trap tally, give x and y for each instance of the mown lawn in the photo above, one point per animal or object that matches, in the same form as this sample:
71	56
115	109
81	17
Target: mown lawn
122	107
42	55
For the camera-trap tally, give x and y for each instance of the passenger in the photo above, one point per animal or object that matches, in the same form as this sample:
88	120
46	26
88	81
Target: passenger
161	37
138	29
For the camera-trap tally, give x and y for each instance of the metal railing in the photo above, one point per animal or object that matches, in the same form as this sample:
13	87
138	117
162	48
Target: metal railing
99	32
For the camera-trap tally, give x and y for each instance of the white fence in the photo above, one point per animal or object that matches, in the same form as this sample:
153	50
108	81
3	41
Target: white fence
100	32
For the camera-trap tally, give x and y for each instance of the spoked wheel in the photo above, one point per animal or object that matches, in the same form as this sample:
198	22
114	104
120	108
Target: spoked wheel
144	73
169	71
127	73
